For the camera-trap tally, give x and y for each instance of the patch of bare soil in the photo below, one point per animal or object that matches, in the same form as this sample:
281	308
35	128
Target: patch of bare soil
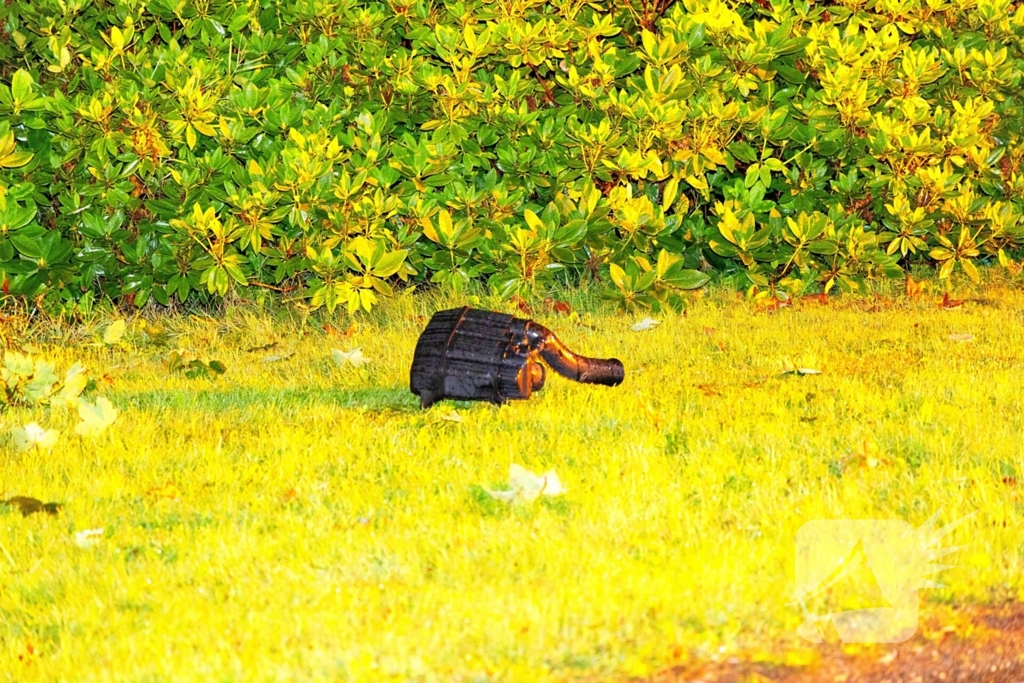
991	650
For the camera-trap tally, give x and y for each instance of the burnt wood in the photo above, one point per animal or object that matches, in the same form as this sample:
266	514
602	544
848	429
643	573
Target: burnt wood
477	355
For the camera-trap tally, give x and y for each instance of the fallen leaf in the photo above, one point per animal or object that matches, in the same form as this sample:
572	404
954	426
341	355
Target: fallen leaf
96	417
114	332
557	306
355	357
709	390
156	334
287	496
452	417
74	384
526	486
274	359
197	368
521	304
913	288
33	436
169	491
28	506
801	367
342	334
773	304
88	538
645	324
264	347
950	303
822	298
961	337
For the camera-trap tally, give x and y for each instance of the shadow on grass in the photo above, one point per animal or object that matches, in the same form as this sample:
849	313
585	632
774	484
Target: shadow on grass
221	399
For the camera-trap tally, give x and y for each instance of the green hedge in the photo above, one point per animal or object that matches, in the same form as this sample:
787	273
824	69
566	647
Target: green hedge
331	148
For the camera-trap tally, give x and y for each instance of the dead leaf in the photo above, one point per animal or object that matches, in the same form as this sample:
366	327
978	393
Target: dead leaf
822	298
287	496
645	324
264	347
773	304
354	358
557	306
28	506
961	337
168	491
947	302
709	390
274	359
87	538
341	334
913	288
804	366
521	304
526	486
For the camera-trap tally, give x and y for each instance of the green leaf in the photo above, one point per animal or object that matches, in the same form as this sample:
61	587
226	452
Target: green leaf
21	87
823	247
688	279
27	246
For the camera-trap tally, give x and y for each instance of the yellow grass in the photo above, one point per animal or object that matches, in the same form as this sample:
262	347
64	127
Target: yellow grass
296	520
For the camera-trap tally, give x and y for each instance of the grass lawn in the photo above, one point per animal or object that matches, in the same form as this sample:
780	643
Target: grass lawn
296	519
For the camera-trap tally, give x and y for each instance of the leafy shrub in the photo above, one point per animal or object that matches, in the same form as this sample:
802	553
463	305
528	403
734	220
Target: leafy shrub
331	148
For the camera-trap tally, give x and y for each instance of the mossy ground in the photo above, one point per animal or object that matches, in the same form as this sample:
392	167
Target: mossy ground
296	520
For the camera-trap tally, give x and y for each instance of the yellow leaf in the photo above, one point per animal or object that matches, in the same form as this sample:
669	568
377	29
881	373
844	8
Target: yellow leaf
714	155
670	193
618	275
96	417
533	220
168	491
205	128
114	332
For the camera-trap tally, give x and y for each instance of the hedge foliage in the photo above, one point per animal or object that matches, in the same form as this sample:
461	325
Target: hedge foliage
173	149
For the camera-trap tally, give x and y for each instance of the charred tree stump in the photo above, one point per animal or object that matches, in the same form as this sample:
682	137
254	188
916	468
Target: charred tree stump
471	354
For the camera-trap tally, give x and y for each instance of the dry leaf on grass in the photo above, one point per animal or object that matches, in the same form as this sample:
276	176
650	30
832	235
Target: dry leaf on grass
33	436
168	491
27	505
803	366
96	417
354	358
526	486
115	330
645	324
88	538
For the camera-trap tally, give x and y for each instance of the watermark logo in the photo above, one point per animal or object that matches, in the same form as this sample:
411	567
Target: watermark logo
861	577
